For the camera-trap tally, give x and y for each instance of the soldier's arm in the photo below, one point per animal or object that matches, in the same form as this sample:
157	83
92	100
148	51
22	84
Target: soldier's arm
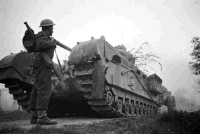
42	42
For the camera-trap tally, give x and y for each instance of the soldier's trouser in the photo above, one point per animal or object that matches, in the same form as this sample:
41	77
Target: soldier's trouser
42	89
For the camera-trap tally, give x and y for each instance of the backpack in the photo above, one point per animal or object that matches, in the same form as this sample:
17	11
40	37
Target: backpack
29	39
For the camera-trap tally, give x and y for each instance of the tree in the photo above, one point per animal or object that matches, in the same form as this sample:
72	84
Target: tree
194	65
143	60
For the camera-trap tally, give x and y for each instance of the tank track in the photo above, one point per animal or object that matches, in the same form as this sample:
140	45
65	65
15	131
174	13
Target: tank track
20	91
107	106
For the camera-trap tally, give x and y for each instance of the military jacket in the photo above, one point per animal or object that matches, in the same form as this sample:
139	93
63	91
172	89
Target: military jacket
45	44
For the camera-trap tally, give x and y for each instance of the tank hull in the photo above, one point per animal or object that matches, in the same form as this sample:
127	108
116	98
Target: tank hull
110	83
100	80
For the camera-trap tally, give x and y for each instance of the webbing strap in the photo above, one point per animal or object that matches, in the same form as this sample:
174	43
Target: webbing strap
59	62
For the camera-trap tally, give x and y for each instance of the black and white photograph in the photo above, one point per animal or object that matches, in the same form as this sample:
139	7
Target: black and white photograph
99	67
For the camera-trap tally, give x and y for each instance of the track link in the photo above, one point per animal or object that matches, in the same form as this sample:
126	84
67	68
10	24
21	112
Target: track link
100	106
104	106
20	91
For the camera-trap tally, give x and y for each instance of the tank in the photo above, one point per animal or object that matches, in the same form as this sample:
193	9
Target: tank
100	80
15	74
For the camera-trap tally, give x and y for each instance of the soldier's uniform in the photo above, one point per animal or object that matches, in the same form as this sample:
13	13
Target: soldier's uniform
42	88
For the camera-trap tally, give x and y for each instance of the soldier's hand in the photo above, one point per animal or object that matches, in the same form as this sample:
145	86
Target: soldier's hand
53	39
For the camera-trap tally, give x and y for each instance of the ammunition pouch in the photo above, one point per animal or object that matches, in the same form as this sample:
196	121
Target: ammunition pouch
36	63
39	61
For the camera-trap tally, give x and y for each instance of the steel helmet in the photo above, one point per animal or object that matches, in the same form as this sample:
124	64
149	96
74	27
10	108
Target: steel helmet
46	22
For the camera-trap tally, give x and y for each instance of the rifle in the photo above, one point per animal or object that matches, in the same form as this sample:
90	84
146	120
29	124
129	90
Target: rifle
61	85
52	64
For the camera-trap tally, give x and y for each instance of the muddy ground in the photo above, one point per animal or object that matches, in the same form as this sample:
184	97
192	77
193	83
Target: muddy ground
25	124
177	123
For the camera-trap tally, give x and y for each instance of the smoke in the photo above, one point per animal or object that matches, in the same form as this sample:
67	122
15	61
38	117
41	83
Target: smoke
7	102
187	99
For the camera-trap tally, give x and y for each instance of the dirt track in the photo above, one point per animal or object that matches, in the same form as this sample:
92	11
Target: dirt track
61	122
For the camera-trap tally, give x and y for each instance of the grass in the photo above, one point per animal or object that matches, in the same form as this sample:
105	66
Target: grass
177	123
10	129
13	115
114	126
182	121
35	130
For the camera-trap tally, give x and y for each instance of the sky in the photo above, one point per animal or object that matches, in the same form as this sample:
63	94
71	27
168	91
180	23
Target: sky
167	25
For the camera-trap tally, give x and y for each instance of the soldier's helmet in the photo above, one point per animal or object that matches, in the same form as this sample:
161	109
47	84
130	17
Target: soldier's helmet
46	22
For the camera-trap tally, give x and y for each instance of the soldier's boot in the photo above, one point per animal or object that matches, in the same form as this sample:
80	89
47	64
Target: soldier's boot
34	117
43	119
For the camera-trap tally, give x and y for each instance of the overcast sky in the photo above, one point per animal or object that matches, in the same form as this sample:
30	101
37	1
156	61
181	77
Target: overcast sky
168	25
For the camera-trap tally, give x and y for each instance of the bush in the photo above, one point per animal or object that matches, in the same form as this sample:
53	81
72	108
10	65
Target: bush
186	122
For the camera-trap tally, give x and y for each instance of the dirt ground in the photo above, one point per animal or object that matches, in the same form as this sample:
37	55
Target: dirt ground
80	125
61	122
74	125
19	122
177	123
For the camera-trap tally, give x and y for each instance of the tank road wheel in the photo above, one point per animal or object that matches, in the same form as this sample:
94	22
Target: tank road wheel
144	111
137	110
119	106
141	110
154	110
132	109
148	111
127	108
151	111
109	98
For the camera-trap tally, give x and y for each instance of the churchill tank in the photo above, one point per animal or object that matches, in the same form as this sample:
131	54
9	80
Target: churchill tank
99	80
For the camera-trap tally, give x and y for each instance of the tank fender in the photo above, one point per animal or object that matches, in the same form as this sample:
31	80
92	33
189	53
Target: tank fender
98	75
16	66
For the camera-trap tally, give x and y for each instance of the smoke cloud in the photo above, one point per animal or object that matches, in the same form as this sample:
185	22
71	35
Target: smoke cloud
187	99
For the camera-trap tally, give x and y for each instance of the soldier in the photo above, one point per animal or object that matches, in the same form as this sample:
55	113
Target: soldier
42	90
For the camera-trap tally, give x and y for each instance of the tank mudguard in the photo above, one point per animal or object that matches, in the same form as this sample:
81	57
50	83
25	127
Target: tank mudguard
83	52
98	80
15	66
87	51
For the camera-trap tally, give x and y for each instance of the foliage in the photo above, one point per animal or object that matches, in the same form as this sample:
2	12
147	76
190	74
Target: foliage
182	121
144	60
194	65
